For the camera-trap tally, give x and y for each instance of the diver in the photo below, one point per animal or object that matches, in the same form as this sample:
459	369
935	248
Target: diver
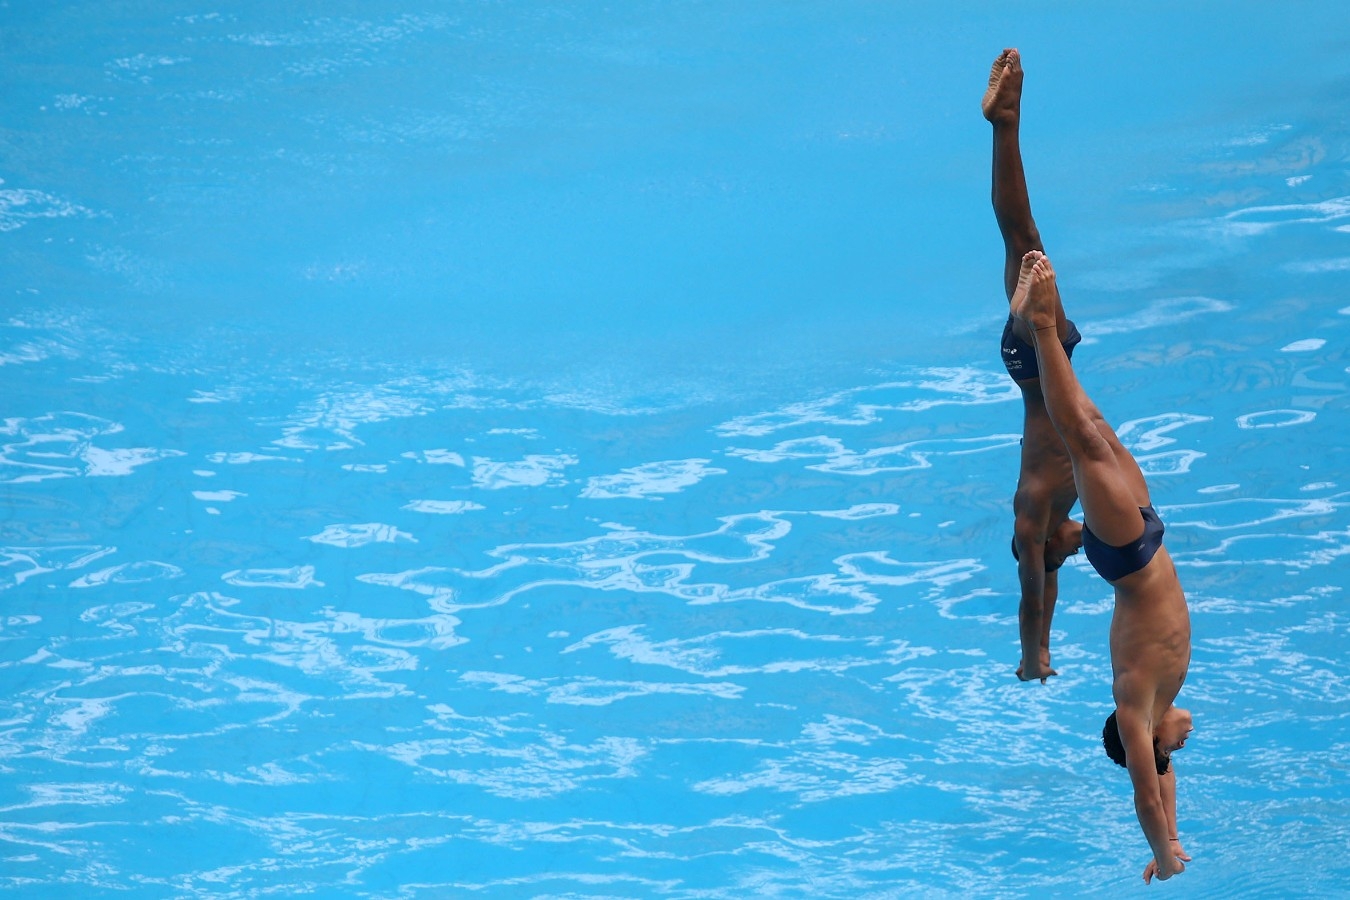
1122	537
1043	534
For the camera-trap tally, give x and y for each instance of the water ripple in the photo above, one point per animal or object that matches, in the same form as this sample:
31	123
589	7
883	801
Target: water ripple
18	564
535	470
866	405
666	477
293	578
360	535
129	573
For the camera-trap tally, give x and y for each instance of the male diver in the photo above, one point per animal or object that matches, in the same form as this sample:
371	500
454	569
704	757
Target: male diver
1043	533
1122	538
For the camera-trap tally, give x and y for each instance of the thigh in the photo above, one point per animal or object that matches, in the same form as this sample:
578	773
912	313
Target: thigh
1111	489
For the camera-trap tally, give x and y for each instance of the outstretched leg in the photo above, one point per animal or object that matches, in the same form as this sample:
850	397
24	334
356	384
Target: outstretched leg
1002	106
1045	491
1110	485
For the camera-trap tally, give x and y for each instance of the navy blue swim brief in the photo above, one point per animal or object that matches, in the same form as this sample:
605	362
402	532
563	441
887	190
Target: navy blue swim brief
1019	357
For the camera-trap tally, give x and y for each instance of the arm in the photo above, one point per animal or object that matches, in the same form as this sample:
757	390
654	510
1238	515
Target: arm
1149	803
1032	618
1048	598
1168	785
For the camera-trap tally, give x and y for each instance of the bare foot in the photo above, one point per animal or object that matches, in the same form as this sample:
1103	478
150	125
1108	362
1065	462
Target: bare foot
1002	102
1035	297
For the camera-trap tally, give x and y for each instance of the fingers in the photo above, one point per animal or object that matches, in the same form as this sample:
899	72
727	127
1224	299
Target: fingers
1041	673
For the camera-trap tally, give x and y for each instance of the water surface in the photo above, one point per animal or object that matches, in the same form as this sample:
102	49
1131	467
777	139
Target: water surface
561	451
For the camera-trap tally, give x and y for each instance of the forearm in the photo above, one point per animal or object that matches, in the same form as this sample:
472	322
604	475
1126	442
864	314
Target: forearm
1153	822
1031	611
1137	737
1049	596
1167	786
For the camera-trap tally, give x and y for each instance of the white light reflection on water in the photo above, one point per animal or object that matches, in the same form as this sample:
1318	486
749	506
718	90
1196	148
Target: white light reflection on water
847	659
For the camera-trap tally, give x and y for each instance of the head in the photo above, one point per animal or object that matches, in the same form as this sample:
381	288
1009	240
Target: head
1169	735
1063	543
1172	731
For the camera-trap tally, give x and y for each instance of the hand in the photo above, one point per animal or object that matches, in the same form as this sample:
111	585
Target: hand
1028	671
1154	869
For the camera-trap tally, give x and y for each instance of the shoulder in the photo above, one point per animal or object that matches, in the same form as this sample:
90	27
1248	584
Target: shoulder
1134	699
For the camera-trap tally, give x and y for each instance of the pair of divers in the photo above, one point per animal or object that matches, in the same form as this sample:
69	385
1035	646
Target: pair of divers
1070	454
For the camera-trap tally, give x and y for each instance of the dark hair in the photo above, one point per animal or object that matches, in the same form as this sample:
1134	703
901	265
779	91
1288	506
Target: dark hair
1116	750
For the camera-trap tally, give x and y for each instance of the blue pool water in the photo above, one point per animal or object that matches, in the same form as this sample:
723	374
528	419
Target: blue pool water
530	450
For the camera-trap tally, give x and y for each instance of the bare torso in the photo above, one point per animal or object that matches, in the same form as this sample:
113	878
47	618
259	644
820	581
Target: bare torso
1045	487
1150	638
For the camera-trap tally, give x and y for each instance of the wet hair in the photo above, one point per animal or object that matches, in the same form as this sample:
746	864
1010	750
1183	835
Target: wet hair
1116	749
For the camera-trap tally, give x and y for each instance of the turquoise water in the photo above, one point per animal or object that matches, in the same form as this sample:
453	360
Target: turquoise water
522	450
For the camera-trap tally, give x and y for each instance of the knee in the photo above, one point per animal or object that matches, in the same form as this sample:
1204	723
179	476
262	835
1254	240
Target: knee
1023	237
1085	439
